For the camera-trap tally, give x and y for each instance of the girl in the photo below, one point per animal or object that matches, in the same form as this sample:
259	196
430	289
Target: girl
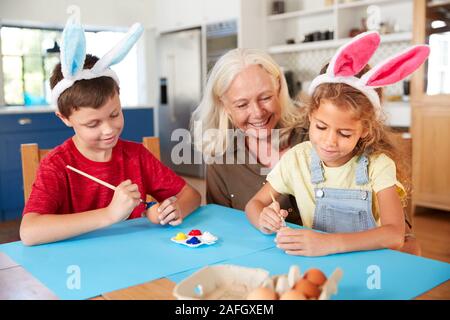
344	179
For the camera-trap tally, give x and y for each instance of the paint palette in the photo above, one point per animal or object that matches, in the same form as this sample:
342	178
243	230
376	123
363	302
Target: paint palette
195	238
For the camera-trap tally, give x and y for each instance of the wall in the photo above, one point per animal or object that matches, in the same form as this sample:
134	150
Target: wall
183	14
252	21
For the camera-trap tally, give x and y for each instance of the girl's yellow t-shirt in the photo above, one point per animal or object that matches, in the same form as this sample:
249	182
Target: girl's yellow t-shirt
292	175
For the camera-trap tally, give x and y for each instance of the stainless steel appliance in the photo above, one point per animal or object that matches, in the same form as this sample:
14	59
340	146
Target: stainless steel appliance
180	63
220	38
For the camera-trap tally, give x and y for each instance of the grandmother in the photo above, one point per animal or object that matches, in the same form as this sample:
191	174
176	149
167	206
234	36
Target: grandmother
245	122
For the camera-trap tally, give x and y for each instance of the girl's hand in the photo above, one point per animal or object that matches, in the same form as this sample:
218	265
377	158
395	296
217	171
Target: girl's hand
302	242
270	220
169	212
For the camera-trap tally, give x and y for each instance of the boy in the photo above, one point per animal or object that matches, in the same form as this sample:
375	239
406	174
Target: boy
64	204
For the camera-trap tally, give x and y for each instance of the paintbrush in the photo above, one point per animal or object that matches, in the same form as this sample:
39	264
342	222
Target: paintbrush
106	184
283	223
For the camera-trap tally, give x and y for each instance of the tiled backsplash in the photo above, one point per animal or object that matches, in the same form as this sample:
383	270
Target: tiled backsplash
307	64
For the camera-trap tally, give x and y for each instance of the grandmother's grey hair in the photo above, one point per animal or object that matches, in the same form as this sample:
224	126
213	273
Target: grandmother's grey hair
211	114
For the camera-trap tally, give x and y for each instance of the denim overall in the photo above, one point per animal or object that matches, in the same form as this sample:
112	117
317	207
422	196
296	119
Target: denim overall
342	210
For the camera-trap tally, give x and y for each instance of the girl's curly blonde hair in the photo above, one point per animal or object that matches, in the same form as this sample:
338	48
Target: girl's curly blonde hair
380	138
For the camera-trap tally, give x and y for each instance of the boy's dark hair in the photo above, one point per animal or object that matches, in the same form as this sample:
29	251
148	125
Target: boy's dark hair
92	93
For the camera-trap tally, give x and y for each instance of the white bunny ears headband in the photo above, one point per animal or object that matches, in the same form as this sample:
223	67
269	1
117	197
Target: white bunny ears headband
352	57
73	53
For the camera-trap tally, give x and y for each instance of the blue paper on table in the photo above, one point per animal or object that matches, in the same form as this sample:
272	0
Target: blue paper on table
402	276
136	251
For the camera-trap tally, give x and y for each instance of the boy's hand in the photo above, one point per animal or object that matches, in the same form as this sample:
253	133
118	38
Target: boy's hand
125	199
270	220
302	242
169	212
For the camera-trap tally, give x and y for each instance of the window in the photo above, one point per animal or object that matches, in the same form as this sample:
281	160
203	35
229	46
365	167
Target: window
29	55
439	64
27	65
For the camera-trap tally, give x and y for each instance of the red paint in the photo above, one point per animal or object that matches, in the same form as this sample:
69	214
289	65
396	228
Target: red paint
195	232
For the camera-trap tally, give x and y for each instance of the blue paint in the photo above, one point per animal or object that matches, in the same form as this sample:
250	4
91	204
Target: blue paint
193	240
150	204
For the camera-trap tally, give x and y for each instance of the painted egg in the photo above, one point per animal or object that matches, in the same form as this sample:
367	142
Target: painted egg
316	276
195	232
262	293
307	288
152	214
292	295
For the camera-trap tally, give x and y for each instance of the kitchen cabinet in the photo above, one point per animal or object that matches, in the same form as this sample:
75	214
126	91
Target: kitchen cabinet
220	10
329	22
172	15
138	123
177	14
431	110
431	155
48	131
15	129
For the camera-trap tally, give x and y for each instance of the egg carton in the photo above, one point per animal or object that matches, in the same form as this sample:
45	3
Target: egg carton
286	282
220	282
232	282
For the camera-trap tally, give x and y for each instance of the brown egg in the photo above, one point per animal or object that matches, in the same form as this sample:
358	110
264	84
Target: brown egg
292	295
307	288
152	214
262	293
316	276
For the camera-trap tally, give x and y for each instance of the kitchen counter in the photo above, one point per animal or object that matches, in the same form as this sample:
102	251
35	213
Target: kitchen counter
19	125
398	112
43	109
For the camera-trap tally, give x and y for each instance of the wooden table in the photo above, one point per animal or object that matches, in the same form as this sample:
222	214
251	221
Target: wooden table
17	283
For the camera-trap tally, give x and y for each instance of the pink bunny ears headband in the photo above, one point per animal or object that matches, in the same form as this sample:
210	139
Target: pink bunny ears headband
352	57
73	53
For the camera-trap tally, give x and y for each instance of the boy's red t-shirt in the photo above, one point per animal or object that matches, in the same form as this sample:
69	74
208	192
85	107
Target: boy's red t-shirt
58	190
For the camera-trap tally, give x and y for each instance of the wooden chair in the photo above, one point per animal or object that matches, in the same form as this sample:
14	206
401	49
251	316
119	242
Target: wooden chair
32	156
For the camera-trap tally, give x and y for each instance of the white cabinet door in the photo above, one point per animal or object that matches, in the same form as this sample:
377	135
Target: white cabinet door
179	14
220	10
